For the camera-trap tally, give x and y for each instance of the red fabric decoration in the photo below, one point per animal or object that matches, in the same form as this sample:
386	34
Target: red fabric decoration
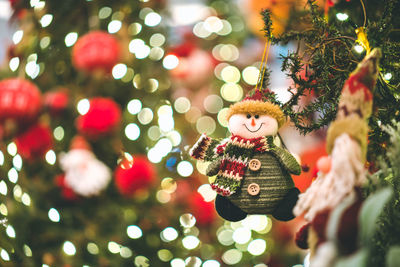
34	142
96	50
203	211
309	158
66	192
56	101
102	118
19	99
139	177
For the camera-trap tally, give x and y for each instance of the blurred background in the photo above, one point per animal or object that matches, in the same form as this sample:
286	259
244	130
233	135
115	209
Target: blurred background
103	101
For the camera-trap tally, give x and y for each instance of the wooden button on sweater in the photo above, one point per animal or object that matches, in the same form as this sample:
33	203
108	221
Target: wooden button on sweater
253	189
254	165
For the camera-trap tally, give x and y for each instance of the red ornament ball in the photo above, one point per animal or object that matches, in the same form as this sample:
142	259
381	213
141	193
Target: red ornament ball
19	99
140	176
103	117
96	50
56	101
203	211
34	142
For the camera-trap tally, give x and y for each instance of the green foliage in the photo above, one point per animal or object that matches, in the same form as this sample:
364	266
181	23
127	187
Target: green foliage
388	226
357	259
370	212
324	58
393	257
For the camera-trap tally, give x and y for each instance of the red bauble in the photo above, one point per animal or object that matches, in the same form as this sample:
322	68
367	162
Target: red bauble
34	142
103	117
140	176
19	99
96	50
56	101
66	191
203	211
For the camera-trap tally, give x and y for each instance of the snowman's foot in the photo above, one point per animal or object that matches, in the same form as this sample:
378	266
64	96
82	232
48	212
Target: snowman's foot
227	210
284	211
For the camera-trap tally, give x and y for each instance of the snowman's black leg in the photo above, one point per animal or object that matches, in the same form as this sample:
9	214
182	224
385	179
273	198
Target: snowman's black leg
284	211
227	210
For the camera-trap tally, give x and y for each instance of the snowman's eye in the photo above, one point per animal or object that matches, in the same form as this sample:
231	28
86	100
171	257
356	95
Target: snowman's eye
248	116
256	116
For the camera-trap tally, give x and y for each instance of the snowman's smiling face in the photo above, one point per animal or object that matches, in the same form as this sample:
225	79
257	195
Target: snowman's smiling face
252	125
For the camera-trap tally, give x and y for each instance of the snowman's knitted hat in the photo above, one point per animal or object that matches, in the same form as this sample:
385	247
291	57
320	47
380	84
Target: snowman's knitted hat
256	102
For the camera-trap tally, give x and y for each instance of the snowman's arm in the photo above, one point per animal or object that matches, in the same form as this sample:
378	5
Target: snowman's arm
206	149
287	160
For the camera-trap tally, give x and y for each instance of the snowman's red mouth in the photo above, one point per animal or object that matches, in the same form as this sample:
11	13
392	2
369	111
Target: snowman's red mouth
255	130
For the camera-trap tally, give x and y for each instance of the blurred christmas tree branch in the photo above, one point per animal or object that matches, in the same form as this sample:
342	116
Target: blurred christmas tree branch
326	55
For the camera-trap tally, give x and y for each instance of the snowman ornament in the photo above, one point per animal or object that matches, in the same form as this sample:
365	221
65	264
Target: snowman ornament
252	174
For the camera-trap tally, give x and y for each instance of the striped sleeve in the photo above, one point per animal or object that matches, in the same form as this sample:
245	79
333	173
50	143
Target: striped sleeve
204	149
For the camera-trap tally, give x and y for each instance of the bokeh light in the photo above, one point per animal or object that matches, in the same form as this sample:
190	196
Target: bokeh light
58	133
134	106
257	247
190	242
230	74
232	256
46	20
134	231
184	168
152	19
250	75
213	103
164	255
182	104
54	215
206	124
222	114
231	92
207	192
119	71
145	116
241	235
51	157
69	248
169	234
132	131
70	39
211	263
83	106
187	220
170	62
114	26
157	39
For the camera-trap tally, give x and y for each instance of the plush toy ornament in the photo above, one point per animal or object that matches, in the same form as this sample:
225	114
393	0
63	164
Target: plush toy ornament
252	173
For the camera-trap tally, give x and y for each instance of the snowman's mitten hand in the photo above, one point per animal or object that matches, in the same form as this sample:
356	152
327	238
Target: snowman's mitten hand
287	160
213	168
204	149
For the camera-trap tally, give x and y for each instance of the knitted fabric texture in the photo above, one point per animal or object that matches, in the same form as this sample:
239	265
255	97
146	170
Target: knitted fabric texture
273	180
327	192
234	155
355	103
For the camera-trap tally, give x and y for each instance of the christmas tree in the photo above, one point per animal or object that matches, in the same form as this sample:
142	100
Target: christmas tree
100	101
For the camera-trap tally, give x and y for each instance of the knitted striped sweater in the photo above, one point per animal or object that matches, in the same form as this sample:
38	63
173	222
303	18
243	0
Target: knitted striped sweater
233	156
